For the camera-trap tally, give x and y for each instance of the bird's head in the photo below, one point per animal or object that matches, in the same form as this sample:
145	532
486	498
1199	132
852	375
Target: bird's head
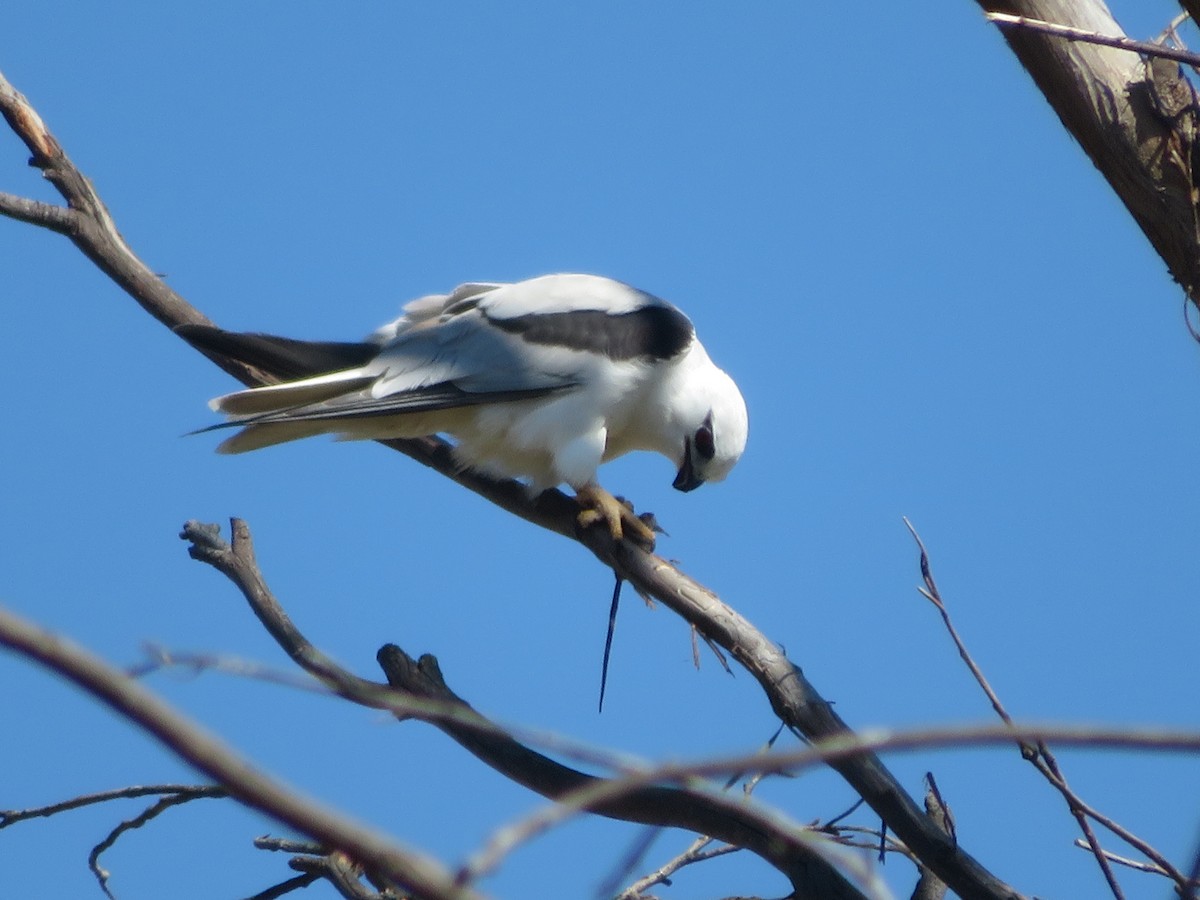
714	433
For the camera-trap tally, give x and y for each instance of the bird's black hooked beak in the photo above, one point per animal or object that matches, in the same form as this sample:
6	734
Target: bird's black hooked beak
686	479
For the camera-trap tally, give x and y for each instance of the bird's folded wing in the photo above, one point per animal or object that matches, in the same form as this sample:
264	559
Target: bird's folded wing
357	402
462	361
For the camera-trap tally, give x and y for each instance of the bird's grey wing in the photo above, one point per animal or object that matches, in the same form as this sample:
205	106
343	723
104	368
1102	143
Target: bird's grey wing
460	360
359	404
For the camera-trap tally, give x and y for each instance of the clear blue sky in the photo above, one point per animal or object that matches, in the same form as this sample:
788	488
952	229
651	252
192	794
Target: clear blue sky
933	303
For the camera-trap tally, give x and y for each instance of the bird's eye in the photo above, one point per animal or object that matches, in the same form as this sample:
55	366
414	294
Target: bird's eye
705	448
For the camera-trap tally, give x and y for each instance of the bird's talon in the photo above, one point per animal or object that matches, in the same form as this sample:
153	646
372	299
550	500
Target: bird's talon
599	505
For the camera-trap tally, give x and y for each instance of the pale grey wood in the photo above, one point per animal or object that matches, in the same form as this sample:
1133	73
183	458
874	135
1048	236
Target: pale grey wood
1136	119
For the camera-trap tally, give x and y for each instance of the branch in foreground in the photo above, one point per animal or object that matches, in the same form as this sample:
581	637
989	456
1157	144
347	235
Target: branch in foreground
422	875
792	697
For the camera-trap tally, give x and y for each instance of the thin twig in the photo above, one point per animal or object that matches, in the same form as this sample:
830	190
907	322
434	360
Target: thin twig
630	860
12	816
691	854
875	840
147	815
1037	752
832	823
160	658
1066	32
289	845
694	854
1124	860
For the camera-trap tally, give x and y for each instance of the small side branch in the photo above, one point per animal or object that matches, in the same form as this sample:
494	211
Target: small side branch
1146	48
13	816
34	212
151	812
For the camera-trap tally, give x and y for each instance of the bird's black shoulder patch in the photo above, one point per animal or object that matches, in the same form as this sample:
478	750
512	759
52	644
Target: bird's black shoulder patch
652	332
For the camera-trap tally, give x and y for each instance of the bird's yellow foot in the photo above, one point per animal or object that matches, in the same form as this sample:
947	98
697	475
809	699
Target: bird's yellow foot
601	506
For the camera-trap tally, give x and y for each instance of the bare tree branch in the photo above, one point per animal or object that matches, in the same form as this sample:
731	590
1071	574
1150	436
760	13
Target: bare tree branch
796	852
1146	48
1136	120
150	813
424	876
798	703
1038	753
13	816
86	221
34	212
662	875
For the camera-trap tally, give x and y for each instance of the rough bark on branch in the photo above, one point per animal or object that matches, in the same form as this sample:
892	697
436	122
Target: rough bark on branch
1137	120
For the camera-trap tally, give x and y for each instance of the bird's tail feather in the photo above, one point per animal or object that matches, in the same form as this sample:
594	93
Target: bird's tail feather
291	395
285	358
255	437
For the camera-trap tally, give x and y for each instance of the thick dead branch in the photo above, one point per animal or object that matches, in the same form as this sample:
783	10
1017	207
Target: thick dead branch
796	852
1137	120
417	690
795	700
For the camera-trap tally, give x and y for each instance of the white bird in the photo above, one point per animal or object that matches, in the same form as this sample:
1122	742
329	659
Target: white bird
541	380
